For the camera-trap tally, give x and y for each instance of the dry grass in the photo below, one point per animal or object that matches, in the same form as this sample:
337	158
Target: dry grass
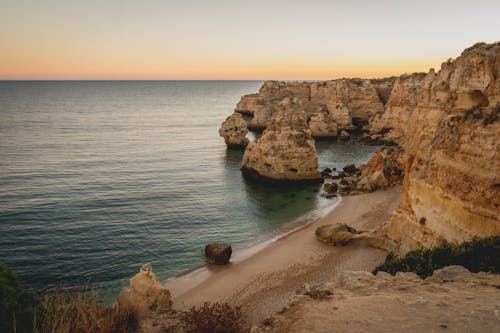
83	313
215	317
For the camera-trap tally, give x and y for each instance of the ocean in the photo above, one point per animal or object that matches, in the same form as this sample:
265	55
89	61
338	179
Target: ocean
99	177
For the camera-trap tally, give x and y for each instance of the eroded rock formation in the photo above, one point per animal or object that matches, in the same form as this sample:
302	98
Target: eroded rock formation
384	169
448	124
286	150
234	131
347	102
341	234
322	124
145	294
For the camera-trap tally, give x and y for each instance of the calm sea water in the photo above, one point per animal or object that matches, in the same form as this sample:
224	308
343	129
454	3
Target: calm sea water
97	178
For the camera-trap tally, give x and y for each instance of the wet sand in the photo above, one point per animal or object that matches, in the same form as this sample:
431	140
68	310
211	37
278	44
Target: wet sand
263	282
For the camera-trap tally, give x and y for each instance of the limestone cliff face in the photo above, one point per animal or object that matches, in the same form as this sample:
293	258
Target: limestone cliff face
322	124
347	101
383	87
234	131
384	169
286	150
448	124
357	96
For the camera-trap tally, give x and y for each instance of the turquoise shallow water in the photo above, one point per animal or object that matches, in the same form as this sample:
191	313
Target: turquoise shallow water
97	178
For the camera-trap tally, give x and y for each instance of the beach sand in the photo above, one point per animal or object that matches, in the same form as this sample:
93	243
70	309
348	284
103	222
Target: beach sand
263	282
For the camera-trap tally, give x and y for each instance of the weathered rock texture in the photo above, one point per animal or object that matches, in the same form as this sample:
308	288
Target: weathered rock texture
234	131
145	294
346	101
322	124
286	150
448	124
384	169
452	299
341	234
218	253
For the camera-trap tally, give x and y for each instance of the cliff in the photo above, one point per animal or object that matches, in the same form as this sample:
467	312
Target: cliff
346	101
447	123
286	150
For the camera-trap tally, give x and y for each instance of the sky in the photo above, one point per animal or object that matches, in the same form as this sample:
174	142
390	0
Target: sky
219	39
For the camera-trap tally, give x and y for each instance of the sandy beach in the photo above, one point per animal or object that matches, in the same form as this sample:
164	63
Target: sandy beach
263	282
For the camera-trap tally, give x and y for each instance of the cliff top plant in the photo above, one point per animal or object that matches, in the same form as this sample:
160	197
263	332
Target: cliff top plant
478	254
20	310
24	311
215	317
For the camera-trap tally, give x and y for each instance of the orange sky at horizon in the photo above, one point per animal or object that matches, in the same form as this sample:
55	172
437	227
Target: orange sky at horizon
289	40
120	69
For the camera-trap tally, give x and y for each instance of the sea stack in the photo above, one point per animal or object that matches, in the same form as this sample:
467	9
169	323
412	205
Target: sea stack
286	150
234	131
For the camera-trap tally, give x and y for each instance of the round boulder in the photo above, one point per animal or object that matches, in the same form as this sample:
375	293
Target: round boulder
218	253
330	187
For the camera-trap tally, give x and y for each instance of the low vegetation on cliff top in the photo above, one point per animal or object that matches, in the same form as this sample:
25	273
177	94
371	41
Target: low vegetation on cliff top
215	317
24	311
19	309
477	255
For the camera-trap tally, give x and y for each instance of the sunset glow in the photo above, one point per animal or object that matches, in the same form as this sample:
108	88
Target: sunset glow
234	40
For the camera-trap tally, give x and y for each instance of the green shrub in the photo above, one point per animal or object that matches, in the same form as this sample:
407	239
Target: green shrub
20	310
478	254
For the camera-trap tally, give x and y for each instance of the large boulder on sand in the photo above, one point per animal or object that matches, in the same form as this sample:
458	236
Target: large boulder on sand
234	131
218	253
145	294
336	234
342	234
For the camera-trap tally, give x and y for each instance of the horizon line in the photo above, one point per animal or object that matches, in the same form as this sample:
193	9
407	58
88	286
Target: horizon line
263	79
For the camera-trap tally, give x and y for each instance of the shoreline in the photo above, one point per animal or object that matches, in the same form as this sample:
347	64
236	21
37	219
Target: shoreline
190	279
280	265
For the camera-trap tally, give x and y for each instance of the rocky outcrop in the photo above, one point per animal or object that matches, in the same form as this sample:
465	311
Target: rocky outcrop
336	234
346	101
234	131
384	87
359	301
448	124
341	234
218	253
344	135
384	169
322	124
145	294
286	150
248	104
